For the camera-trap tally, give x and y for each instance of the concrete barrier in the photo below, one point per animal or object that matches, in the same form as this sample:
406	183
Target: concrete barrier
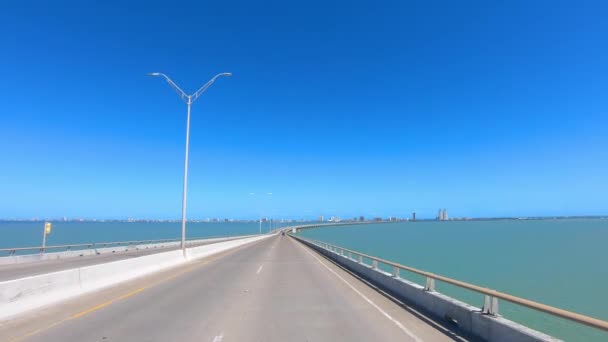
18	259
21	295
468	318
102	275
206	250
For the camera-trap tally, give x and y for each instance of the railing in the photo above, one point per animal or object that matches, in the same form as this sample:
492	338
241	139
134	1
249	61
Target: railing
490	305
89	246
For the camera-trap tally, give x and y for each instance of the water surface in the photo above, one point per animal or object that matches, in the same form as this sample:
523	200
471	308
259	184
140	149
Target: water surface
557	262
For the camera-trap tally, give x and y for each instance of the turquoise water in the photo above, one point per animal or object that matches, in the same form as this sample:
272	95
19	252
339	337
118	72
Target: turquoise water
28	234
563	263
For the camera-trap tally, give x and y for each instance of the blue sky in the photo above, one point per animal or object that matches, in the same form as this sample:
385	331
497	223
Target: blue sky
337	108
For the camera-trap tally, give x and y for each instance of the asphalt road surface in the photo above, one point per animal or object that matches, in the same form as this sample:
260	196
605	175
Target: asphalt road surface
273	290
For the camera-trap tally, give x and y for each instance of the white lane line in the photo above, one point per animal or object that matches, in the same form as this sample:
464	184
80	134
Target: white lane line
218	338
259	269
384	313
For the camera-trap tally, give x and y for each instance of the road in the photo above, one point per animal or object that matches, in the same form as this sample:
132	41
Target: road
21	270
273	290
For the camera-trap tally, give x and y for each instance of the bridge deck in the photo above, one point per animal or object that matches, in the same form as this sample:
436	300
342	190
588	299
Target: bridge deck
272	290
26	269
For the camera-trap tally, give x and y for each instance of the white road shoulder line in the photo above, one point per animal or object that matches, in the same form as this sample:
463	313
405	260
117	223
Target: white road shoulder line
384	313
259	269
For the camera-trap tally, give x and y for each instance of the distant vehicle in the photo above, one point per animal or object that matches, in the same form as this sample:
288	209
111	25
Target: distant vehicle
283	233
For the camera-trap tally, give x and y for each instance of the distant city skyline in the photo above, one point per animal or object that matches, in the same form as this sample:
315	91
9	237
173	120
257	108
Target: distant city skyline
293	219
369	110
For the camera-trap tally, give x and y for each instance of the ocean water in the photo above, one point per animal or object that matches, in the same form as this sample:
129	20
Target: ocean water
563	263
29	234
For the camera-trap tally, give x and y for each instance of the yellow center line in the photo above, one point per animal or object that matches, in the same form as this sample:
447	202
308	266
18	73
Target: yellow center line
39	330
132	293
103	305
95	308
129	294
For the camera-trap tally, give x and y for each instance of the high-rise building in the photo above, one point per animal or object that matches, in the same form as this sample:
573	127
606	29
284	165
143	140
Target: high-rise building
414	216
442	215
321	218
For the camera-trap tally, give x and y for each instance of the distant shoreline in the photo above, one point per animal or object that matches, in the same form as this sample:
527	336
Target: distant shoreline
523	218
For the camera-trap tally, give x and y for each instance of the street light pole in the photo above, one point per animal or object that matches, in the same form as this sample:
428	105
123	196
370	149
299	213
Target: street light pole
185	191
189	100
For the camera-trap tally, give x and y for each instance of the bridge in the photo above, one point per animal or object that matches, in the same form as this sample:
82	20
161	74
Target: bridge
265	288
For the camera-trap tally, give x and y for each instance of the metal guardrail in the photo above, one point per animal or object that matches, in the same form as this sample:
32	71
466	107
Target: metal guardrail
491	297
88	246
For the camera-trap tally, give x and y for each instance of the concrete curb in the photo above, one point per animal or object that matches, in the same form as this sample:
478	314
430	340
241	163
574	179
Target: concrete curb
21	295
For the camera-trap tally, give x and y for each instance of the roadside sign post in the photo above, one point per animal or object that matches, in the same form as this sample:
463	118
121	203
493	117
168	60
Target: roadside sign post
47	230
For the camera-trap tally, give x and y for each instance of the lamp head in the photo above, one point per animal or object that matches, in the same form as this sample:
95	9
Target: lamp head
154	74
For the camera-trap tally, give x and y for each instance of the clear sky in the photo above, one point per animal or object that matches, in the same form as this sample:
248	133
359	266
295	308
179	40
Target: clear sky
486	108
